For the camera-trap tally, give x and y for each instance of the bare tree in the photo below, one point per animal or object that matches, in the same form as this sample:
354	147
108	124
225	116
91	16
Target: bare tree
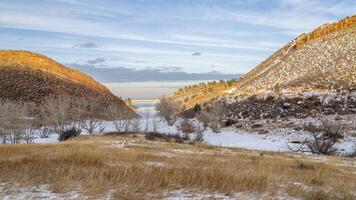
216	113
101	128
29	135
90	114
14	121
56	113
45	132
168	109
135	126
205	118
147	116
120	118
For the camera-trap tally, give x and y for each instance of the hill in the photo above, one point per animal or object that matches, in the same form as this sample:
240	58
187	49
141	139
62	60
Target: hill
318	62
323	60
31	77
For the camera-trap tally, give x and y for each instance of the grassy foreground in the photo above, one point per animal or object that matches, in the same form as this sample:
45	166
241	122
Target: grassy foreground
130	167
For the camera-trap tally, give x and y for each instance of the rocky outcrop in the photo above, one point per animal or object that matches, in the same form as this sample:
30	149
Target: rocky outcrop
326	29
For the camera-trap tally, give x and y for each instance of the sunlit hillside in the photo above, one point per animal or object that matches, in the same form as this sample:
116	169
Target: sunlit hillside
28	60
30	77
203	92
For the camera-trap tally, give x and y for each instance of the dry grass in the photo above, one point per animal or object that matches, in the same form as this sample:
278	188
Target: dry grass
134	168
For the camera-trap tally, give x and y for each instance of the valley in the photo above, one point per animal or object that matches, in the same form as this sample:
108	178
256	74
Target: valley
226	104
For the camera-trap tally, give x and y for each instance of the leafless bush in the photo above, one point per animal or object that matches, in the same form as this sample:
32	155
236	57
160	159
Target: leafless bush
323	137
167	109
199	134
29	135
14	121
165	136
69	133
186	126
45	132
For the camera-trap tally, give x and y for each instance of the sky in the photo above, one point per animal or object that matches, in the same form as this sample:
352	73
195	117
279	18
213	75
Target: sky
191	36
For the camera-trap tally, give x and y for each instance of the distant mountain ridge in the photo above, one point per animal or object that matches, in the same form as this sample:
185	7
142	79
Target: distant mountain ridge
122	74
31	77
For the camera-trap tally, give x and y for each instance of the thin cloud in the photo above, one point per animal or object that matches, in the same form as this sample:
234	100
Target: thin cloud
87	45
196	54
96	61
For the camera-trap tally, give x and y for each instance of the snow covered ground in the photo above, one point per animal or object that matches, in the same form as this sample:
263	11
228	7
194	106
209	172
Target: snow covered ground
277	139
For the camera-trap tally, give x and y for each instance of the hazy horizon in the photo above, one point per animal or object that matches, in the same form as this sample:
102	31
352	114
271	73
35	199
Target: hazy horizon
149	90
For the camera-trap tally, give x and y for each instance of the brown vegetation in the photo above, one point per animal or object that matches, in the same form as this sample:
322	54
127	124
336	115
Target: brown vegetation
141	169
30	77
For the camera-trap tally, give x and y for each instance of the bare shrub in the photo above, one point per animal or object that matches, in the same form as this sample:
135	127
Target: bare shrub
14	121
323	137
186	126
164	136
167	109
29	135
69	133
45	132
199	135
90	114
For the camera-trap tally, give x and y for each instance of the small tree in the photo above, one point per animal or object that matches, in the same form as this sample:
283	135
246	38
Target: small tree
90	113
120	118
277	89
197	108
168	109
205	118
216	114
56	113
14	121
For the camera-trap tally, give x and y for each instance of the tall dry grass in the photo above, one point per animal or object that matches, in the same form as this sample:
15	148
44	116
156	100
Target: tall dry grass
150	169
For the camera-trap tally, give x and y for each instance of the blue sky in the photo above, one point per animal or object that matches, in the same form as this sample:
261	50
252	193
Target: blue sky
195	36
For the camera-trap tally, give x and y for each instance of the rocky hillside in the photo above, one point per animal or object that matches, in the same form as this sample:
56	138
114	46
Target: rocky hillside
30	77
202	92
322	60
